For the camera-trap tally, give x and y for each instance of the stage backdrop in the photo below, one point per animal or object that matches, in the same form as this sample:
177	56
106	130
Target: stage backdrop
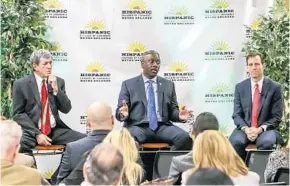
99	43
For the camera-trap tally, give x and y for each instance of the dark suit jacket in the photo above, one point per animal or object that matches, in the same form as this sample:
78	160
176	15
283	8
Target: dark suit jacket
76	176
133	91
270	108
27	104
75	150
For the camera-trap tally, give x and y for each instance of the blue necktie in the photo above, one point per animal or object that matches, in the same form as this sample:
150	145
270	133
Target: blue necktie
152	107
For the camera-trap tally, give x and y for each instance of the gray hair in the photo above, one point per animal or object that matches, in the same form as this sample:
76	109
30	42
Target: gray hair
36	55
104	165
10	135
151	52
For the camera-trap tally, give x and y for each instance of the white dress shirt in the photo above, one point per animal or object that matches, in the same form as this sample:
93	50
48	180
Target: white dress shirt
253	86
146	84
39	85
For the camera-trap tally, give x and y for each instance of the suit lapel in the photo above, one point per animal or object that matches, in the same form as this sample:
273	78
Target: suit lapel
160	94
249	95
52	104
265	89
141	89
34	88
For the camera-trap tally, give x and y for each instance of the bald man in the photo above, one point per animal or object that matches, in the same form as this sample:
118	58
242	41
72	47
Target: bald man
103	166
101	120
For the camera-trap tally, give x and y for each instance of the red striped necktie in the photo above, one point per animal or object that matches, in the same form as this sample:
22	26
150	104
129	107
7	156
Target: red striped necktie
45	116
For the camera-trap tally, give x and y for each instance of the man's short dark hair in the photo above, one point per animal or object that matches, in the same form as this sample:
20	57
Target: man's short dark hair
209	176
254	54
104	165
151	52
205	121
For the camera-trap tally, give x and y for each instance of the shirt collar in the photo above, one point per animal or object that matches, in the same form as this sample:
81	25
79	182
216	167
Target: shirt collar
38	79
260	83
145	79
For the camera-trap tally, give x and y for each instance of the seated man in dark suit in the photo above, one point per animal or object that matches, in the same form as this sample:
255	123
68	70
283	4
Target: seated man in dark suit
37	99
180	164
100	120
258	108
147	104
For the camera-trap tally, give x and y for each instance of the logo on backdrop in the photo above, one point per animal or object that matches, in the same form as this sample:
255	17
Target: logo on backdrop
133	53
179	16
58	54
95	29
179	72
255	24
95	73
219	93
48	173
83	121
219	50
219	9
55	10
136	9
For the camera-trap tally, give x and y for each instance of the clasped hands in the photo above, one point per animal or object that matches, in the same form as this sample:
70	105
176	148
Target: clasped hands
43	139
252	133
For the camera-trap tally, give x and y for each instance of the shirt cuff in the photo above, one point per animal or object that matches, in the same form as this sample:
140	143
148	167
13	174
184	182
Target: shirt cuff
244	128
264	127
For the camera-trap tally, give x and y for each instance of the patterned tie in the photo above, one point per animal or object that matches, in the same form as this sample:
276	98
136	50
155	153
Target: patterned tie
255	107
152	107
45	116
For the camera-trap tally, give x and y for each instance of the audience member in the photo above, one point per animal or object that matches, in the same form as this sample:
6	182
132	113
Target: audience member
22	159
133	172
209	176
11	173
103	166
213	150
277	159
100	120
204	121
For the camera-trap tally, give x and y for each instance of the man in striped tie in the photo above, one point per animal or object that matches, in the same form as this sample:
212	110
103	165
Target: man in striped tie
258	108
37	100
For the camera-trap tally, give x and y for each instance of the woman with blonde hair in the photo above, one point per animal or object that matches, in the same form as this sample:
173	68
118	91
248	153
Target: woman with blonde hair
132	172
213	150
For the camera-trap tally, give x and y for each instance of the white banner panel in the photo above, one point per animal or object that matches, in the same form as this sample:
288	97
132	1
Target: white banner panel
200	43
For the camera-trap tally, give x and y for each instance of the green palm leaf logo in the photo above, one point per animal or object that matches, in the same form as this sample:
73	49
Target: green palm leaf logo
48	173
256	23
55	47
219	4
220	88
225	130
179	11
220	46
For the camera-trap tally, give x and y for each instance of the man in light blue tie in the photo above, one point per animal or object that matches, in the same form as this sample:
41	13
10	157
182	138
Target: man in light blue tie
147	105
